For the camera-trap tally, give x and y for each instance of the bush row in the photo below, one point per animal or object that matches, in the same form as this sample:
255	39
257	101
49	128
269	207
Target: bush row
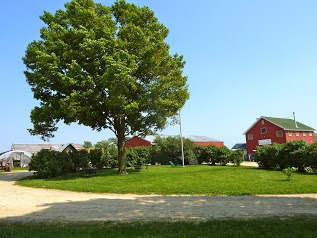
48	163
296	154
169	149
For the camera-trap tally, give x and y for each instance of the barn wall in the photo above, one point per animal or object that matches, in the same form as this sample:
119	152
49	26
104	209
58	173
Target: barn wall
136	142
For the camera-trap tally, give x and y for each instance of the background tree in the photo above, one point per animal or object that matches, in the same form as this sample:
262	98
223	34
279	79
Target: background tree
169	149
207	154
104	67
236	157
87	144
102	144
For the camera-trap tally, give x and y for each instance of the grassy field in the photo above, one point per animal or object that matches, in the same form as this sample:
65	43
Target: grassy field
260	228
194	179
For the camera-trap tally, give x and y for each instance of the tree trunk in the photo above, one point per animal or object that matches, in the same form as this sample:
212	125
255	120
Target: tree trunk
122	163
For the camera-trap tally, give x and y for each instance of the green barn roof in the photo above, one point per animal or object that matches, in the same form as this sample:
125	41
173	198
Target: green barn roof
288	124
284	123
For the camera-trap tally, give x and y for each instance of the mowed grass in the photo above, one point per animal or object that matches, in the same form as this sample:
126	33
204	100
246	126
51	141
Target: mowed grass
193	180
260	228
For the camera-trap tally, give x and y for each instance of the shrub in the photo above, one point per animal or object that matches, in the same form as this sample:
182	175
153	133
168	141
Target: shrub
143	155
110	157
95	157
169	148
236	157
65	162
199	154
190	157
80	159
206	154
267	156
222	155
132	157
288	172
292	154
47	163
311	157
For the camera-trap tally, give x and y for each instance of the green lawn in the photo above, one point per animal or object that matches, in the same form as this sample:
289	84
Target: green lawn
194	179
259	228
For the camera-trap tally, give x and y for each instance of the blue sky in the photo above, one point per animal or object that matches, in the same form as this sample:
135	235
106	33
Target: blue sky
245	59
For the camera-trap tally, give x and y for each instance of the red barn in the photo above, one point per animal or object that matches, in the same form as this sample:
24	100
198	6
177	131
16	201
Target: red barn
149	141
138	141
268	130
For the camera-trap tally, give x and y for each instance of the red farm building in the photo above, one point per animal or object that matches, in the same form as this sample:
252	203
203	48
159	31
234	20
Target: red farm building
149	141
137	141
268	130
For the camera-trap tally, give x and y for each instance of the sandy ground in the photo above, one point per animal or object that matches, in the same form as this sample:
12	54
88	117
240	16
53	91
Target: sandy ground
31	204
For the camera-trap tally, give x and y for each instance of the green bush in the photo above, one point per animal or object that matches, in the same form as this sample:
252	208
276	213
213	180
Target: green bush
199	151
47	163
222	155
80	159
236	157
311	155
169	149
143	154
95	157
292	154
206	154
190	157
138	155
110	157
64	162
267	156
288	172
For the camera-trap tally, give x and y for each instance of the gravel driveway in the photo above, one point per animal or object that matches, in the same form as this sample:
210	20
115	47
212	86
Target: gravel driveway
32	204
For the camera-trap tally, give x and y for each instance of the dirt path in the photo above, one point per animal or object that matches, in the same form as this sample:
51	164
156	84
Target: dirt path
30	204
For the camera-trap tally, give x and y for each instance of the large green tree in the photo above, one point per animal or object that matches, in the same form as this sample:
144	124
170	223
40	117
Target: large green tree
104	67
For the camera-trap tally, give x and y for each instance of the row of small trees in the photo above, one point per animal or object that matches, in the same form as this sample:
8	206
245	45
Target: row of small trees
169	149
52	163
296	154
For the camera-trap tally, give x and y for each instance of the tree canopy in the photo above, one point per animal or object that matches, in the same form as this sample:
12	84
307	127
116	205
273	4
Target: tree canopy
106	67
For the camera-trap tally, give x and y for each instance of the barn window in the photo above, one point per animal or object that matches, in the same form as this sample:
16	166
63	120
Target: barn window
297	133
279	133
310	134
290	133
250	136
263	130
262	122
304	133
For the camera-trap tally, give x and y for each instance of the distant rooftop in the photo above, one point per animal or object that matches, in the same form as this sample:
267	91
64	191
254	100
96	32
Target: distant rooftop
201	139
34	148
240	146
151	138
